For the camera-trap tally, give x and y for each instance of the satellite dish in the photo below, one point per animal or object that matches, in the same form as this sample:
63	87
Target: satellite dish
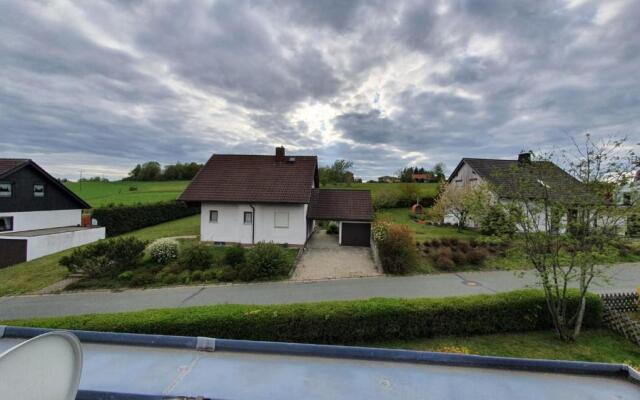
45	367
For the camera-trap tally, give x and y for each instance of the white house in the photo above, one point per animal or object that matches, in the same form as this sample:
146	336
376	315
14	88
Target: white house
519	179
38	214
247	199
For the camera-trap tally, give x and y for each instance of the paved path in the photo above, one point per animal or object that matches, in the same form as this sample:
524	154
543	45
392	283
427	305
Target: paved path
623	277
324	258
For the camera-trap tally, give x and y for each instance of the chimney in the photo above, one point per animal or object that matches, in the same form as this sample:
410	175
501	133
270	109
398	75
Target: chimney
524	157
280	154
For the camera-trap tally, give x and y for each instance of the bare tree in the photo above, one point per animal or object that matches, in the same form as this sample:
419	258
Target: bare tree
569	225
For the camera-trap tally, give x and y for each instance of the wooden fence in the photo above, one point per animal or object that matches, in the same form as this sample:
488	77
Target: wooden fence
617	307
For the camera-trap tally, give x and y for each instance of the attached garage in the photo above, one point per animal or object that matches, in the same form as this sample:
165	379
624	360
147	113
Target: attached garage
352	209
355	233
13	251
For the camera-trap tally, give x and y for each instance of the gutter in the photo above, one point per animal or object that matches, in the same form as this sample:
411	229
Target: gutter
253	223
206	344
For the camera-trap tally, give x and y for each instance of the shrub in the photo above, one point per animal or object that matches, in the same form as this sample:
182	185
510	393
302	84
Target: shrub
142	279
164	250
333	229
247	272
234	255
338	322
477	256
269	260
497	222
196	256
397	253
121	219
105	257
170	279
227	274
459	257
184	277
196	276
209	275
445	263
125	276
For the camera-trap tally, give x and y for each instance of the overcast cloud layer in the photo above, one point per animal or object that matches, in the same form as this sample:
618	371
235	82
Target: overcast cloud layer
104	85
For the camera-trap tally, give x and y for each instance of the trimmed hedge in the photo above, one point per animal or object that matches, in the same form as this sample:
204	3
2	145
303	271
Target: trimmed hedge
121	219
338	322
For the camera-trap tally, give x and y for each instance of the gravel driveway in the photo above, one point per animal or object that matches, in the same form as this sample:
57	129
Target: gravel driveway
324	258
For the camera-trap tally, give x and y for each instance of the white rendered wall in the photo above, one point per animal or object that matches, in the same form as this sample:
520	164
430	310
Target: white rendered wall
40	246
231	228
31	220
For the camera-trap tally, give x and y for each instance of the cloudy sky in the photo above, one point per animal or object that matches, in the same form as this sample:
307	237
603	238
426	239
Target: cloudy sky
100	86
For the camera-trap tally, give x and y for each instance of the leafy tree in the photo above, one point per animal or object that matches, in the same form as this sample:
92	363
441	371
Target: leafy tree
567	232
338	172
462	202
406	174
438	172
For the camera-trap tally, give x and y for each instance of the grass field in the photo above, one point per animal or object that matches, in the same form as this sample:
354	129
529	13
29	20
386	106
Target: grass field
422	232
31	276
99	194
425	189
592	345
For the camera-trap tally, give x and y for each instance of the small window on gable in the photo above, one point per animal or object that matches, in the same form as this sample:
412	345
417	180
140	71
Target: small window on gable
248	218
281	220
38	190
5	190
213	216
6	224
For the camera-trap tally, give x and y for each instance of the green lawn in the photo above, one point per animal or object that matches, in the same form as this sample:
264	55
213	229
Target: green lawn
99	194
34	275
592	345
425	189
422	232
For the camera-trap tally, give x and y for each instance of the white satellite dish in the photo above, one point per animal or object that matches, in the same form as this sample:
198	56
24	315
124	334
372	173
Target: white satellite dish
45	367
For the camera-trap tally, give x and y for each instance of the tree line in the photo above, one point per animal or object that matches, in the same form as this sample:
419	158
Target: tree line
408	174
153	171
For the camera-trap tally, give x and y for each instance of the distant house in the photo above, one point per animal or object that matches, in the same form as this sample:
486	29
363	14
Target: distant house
247	199
388	179
536	178
627	196
38	214
421	177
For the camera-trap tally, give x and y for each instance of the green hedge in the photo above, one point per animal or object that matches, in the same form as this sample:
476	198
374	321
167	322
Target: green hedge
122	219
338	322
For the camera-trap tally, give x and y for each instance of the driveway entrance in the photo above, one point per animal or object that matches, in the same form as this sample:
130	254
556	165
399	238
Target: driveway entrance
324	258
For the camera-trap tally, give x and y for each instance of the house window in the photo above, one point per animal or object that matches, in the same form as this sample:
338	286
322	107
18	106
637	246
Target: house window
6	224
248	218
281	220
213	216
38	190
5	190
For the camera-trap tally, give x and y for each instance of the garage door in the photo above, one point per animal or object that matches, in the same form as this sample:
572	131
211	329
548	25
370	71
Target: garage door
12	251
356	234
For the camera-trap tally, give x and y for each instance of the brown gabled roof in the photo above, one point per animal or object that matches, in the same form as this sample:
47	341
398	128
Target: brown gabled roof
253	179
8	166
340	205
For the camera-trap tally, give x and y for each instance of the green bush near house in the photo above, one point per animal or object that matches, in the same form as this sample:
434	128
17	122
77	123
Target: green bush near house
234	255
398	253
196	256
339	322
266	260
105	257
122	219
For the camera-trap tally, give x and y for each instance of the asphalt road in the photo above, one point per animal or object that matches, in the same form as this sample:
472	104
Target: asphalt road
622	277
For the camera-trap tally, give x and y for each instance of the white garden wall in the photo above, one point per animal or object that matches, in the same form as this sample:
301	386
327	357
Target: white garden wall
39	246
